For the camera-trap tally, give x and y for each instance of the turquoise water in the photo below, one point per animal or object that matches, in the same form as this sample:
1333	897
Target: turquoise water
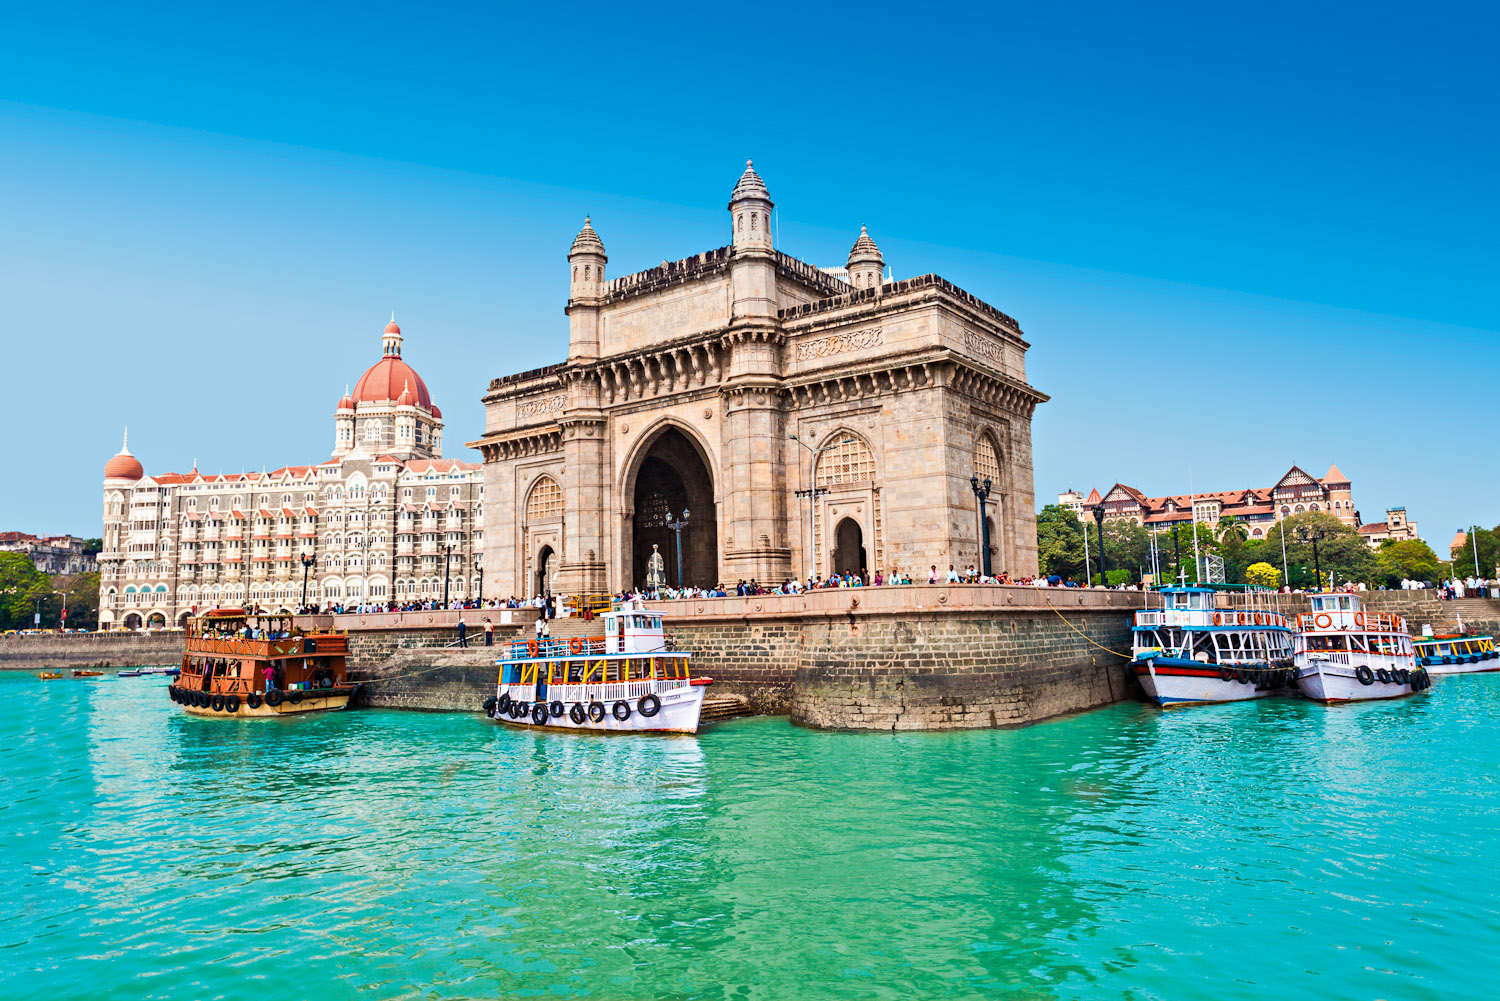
1262	850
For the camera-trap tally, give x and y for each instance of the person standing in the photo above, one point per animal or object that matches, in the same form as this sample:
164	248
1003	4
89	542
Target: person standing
463	632
489	633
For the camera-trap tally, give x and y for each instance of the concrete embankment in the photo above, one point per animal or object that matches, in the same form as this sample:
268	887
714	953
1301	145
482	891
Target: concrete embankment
111	649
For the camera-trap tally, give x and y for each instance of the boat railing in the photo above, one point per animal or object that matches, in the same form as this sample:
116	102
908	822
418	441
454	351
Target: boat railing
1196	618
573	646
609	692
1379	622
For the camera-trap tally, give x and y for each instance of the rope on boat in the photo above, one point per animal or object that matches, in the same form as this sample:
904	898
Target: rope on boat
1080	632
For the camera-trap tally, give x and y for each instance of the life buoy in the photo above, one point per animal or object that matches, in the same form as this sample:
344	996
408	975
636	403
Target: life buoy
295	695
539	713
216	703
575	645
253	700
531	647
1218	619
1383	676
1364	675
621	710
576	714
596	711
1322	620
503	705
231	703
1240	618
1359	620
1402	675
556	709
489	706
274	697
649	705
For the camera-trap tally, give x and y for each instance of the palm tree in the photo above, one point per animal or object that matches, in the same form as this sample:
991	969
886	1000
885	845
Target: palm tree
1228	525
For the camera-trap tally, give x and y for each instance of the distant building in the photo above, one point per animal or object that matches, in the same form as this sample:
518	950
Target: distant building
1258	509
1395	527
382	520
49	553
1073	501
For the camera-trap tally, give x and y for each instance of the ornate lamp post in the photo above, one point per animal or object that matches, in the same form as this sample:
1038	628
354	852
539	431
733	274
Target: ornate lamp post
479	573
307	564
677	527
1314	536
447	566
1103	563
982	493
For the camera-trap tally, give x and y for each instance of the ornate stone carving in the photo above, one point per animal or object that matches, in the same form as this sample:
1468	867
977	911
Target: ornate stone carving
536	408
984	347
834	344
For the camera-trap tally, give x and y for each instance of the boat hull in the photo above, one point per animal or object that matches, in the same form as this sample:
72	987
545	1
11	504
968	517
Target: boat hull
1174	683
1481	667
680	712
1332	683
312	702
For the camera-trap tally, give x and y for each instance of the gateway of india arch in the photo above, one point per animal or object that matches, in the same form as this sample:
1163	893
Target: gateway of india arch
706	399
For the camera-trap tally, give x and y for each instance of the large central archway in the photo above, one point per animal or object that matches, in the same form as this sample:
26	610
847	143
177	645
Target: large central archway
671	478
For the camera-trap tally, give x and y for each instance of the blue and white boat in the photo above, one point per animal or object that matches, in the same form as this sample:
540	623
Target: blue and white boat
1207	644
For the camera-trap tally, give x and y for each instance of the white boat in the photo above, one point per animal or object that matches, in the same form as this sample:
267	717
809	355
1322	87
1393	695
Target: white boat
1205	645
1345	654
1458	654
625	681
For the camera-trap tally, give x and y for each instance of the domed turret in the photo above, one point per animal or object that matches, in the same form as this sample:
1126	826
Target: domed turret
866	266
124	466
750	208
586	259
406	399
346	402
390	341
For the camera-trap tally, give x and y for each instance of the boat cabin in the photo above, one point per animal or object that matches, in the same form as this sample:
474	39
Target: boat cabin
1344	613
633	630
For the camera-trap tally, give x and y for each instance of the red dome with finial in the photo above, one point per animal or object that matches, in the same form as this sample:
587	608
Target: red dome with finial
124	466
384	381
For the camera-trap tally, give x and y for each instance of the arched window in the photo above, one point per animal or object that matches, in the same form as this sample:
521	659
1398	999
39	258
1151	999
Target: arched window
986	459
847	460
545	502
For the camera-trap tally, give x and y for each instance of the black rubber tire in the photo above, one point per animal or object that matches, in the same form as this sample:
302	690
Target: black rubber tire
295	696
1383	676
274	697
621	710
172	692
503	705
489	706
216	703
539	713
1401	676
1447	658
649	705
556	709
231	703
597	711
1225	674
1364	675
577	714
253	700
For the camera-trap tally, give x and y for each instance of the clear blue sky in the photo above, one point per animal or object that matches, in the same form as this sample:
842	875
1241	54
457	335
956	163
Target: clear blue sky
1285	216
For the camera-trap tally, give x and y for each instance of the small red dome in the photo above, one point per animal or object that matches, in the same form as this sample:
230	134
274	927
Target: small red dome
436	413
346	402
391	327
405	399
123	467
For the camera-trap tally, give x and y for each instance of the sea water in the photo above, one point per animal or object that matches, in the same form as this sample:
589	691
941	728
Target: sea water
1274	849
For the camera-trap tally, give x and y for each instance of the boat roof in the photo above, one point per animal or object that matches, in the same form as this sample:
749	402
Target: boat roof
1214	588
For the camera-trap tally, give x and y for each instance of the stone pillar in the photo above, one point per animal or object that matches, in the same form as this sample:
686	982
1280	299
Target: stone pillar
585	486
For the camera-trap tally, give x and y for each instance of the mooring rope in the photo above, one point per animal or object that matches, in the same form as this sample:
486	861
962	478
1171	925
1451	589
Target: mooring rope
1080	632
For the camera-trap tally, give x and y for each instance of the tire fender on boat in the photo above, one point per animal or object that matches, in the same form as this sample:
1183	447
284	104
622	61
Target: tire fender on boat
216	703
621	710
556	709
253	700
577	713
649	705
597	711
503	706
1225	674
1383	676
231	703
274	697
295	695
1364	675
539	713
1402	675
489	706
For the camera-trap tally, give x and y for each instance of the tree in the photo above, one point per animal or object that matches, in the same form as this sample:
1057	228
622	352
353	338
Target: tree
1263	575
1059	542
1407	559
1340	552
1488	541
22	585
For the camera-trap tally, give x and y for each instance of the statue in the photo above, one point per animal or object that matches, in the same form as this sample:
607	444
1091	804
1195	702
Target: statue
656	568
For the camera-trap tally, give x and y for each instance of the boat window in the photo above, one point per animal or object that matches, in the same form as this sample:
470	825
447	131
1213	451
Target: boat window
1346	603
1179	601
1325	642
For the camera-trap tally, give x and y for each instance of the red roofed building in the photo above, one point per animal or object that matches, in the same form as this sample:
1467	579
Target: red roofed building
379	520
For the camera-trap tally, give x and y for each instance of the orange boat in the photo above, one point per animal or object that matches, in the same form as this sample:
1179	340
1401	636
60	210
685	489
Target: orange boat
242	664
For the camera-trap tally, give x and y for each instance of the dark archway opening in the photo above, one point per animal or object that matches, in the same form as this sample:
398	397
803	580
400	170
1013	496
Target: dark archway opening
544	570
994	543
672	479
849	548
132	621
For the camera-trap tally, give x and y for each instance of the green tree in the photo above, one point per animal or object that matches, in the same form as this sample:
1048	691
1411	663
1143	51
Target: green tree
1263	575
1406	560
22	586
1341	552
1059	542
92	547
1488	541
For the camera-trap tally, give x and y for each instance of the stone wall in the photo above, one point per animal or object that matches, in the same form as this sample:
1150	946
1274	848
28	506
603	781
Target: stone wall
111	649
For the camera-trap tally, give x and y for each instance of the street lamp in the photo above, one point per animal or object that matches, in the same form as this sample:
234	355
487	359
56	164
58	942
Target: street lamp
813	492
479	574
1314	536
307	564
982	493
677	527
447	566
1103	563
64	621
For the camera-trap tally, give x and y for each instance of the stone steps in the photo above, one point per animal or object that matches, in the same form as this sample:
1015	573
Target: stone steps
717	710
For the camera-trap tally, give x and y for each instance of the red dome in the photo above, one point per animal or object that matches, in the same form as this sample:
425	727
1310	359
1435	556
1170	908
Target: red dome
391	327
123	467
384	381
436	413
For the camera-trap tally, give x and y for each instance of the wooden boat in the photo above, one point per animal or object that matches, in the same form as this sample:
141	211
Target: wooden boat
1193	651
625	681
87	674
1346	654
229	654
50	675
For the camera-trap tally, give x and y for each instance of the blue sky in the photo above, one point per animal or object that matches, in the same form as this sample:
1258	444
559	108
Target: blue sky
1237	238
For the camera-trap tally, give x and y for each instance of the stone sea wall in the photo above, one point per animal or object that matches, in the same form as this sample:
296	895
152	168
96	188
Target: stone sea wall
111	649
